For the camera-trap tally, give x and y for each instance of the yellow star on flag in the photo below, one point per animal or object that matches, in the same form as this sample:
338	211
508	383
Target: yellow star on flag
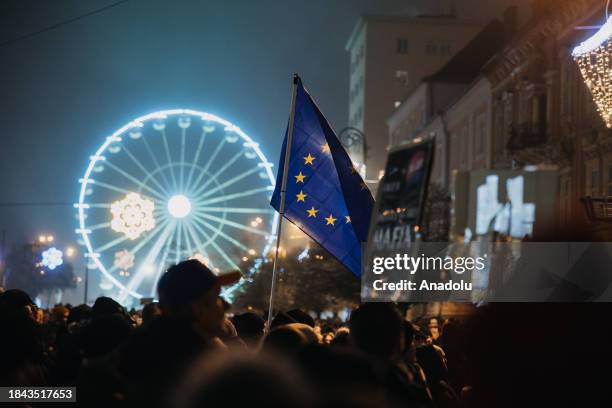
312	212
309	159
330	220
299	178
301	196
348	218
325	148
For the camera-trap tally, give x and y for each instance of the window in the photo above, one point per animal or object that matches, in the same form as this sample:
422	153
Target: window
463	146
609	183
402	46
538	114
438	48
445	48
401	76
479	142
594	183
565	199
567	86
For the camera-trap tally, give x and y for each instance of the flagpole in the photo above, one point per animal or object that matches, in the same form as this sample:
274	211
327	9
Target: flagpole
281	209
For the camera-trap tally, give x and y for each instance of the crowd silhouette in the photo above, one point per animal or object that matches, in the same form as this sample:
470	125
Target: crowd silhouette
192	350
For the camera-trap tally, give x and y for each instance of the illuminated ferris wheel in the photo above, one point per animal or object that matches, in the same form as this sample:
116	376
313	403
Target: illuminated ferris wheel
169	186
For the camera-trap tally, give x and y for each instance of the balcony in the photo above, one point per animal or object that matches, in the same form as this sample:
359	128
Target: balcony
525	136
598	208
529	144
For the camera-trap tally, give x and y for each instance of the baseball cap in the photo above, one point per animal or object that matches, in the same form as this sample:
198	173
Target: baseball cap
14	299
186	281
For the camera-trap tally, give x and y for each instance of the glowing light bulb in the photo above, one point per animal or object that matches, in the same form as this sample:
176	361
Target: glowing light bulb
179	206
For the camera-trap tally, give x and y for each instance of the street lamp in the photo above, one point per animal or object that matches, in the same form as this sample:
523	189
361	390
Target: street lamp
354	143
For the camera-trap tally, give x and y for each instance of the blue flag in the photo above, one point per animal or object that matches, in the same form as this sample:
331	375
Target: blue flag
326	197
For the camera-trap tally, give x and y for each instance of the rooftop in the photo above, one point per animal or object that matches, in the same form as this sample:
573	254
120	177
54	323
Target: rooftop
466	65
415	20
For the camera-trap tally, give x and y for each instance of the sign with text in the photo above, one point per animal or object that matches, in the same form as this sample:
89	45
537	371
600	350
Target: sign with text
399	204
400	197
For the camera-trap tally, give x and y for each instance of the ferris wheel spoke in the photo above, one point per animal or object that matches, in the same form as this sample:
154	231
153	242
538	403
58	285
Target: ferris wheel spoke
167	149
98	205
196	157
143	169
210	160
228	183
214	177
236	195
199	246
231	223
238	210
143	242
118	189
111	244
99	226
188	242
145	266
162	262
133	179
177	251
194	236
182	168
154	158
216	247
222	234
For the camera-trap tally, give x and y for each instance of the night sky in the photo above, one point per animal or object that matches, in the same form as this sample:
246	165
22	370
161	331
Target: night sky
63	91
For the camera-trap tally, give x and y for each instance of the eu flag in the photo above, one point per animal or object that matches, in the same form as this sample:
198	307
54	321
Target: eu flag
325	195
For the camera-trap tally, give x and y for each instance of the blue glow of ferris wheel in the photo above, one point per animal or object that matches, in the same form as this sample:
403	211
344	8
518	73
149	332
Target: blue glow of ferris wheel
175	202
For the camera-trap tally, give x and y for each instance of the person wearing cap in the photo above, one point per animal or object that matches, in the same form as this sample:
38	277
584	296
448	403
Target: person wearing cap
22	345
17	301
192	316
189	291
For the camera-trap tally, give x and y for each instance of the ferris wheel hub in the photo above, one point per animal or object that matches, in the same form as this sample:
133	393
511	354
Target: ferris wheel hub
179	206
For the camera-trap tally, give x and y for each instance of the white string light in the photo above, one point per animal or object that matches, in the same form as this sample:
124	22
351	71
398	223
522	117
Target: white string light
594	58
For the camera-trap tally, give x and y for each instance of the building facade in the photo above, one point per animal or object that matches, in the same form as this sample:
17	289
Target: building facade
544	115
388	58
469	126
453	106
528	108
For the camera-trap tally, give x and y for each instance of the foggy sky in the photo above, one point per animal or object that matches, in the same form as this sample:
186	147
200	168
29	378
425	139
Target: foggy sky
64	91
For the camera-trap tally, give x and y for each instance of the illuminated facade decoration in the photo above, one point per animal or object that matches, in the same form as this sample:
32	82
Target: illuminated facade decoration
124	259
52	258
594	58
133	215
